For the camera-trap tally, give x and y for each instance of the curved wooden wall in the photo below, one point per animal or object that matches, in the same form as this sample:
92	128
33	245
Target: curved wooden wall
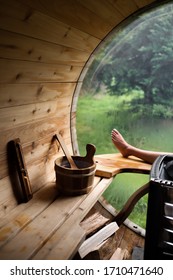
44	46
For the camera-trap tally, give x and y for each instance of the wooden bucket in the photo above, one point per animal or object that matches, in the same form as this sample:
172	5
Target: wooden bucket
76	181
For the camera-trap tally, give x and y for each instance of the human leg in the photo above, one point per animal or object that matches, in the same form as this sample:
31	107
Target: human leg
128	150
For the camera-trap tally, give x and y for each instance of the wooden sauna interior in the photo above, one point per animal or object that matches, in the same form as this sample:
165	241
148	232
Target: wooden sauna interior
45	50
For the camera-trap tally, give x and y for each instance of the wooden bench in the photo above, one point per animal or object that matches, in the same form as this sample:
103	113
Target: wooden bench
48	226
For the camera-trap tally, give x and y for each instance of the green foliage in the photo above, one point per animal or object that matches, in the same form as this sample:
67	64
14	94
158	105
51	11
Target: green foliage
129	86
122	187
139	57
96	117
163	111
95	122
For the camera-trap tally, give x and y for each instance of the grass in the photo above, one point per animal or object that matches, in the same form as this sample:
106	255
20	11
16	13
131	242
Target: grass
94	124
120	190
96	117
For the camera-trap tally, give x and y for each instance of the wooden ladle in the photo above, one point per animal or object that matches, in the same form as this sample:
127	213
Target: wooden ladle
65	150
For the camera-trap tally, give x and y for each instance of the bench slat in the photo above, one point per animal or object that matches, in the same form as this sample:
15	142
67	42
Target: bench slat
48	226
61	245
30	239
24	213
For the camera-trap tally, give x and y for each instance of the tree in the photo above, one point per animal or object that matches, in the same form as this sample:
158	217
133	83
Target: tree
140	57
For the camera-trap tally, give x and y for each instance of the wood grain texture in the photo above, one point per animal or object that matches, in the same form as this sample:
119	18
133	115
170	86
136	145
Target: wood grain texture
61	245
23	94
44	46
75	14
20	47
111	164
34	72
22	19
20	230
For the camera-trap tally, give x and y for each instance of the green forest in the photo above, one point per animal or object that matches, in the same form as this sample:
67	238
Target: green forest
129	87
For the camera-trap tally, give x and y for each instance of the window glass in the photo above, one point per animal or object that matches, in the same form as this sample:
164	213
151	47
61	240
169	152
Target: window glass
129	86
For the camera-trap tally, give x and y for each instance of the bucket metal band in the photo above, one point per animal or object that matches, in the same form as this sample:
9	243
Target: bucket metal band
76	175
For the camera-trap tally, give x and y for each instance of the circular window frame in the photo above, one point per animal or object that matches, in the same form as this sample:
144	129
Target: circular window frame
131	225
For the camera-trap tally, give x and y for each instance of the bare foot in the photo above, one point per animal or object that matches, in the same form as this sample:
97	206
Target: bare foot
120	143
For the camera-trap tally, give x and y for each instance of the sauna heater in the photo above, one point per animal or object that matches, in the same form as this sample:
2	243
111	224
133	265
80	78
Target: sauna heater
159	224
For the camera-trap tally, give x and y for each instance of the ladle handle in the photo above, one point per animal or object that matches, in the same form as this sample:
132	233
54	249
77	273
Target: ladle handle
91	149
65	150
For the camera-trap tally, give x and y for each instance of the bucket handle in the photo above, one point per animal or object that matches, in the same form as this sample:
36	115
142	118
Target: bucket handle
90	149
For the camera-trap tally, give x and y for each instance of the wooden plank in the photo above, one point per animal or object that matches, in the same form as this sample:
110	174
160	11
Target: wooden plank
94	222
7	206
40	172
75	14
143	3
134	239
40	148
20	115
19	18
96	239
121	243
111	164
43	149
23	214
36	72
22	94
77	236
60	245
38	129
5	190
29	240
120	254
104	10
41	139
3	166
125	7
16	46
8	200
43	154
